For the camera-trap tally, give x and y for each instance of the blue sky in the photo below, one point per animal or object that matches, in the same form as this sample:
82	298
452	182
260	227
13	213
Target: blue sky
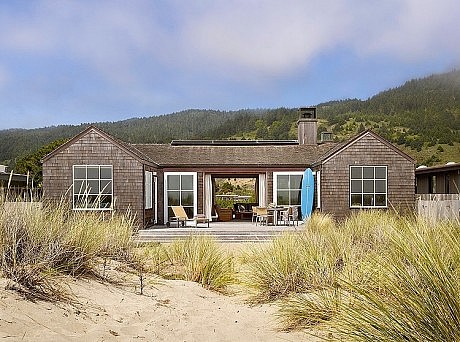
72	62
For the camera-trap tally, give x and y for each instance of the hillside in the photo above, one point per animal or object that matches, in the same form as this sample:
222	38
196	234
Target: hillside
422	117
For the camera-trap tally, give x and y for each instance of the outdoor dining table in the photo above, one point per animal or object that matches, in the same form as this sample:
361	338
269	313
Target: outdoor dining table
276	211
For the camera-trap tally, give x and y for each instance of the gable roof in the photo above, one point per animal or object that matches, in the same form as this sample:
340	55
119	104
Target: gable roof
344	145
228	154
131	150
248	155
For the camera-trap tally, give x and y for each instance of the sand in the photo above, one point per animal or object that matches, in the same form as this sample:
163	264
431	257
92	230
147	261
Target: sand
173	310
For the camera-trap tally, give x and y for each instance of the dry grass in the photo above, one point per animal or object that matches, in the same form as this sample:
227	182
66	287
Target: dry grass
40	243
195	258
295	262
399	282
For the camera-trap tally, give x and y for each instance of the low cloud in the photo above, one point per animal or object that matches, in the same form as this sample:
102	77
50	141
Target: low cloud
269	37
155	52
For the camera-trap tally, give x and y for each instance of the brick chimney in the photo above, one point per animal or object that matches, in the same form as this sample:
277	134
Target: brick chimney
307	126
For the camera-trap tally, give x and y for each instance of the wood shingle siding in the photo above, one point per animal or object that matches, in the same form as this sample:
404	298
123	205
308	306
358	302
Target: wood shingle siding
366	150
129	162
92	148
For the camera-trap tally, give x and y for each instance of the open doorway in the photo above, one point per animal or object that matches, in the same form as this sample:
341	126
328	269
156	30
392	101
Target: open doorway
235	195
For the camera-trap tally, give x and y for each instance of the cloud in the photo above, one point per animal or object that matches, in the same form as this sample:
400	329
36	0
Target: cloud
109	56
270	37
414	30
125	41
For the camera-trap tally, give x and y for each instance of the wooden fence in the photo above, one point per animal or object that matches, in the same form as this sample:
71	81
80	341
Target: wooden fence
439	206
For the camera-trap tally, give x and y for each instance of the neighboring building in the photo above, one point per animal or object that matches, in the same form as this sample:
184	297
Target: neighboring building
99	172
438	194
14	182
440	179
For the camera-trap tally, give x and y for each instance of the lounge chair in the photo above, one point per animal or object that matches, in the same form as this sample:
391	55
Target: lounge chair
181	216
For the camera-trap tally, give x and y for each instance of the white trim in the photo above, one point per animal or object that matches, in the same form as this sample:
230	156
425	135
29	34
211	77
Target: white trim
362	190
155	202
207	195
283	173
318	189
262	189
148	190
195	191
86	166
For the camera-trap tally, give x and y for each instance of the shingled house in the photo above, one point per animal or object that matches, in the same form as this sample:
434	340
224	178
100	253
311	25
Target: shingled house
98	172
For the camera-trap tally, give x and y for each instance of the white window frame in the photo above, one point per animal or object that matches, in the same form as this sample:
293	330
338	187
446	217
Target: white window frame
362	193
85	195
148	189
195	190
318	189
275	181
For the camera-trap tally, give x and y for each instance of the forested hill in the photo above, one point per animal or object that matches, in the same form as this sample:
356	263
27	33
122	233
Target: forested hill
422	117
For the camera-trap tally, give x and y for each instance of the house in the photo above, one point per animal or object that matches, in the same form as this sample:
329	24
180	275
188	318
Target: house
13	184
99	172
440	179
438	191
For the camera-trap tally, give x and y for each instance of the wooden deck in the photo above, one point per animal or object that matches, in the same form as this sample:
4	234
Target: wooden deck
232	231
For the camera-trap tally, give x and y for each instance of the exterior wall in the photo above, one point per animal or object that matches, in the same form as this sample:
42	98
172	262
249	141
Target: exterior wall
93	149
447	182
335	177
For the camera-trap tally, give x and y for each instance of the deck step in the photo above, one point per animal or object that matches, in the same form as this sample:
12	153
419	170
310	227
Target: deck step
167	236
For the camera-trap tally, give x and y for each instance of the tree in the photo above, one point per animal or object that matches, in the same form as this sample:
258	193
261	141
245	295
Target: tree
32	162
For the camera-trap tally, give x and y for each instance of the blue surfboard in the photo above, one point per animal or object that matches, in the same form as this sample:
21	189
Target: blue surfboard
306	195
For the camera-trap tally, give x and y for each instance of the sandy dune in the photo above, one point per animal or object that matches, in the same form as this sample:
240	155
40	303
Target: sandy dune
171	311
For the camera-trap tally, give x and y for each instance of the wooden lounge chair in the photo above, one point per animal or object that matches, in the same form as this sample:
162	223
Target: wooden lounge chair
181	216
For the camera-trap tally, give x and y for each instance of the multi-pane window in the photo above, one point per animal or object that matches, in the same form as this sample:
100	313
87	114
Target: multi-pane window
287	188
181	190
92	187
368	186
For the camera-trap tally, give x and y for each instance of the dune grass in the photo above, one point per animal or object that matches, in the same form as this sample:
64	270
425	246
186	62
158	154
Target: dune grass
295	262
195	258
40	242
375	276
399	282
417	296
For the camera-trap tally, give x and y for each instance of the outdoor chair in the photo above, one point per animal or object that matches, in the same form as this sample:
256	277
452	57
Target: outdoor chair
263	216
181	217
290	214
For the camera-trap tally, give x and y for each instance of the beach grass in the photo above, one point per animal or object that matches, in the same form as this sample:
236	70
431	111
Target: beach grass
375	276
41	242
195	258
399	281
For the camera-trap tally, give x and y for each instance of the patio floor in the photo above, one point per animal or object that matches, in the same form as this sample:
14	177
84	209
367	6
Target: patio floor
231	231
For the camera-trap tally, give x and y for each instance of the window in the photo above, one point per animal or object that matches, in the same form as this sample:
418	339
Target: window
368	186
148	190
287	188
181	190
92	187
